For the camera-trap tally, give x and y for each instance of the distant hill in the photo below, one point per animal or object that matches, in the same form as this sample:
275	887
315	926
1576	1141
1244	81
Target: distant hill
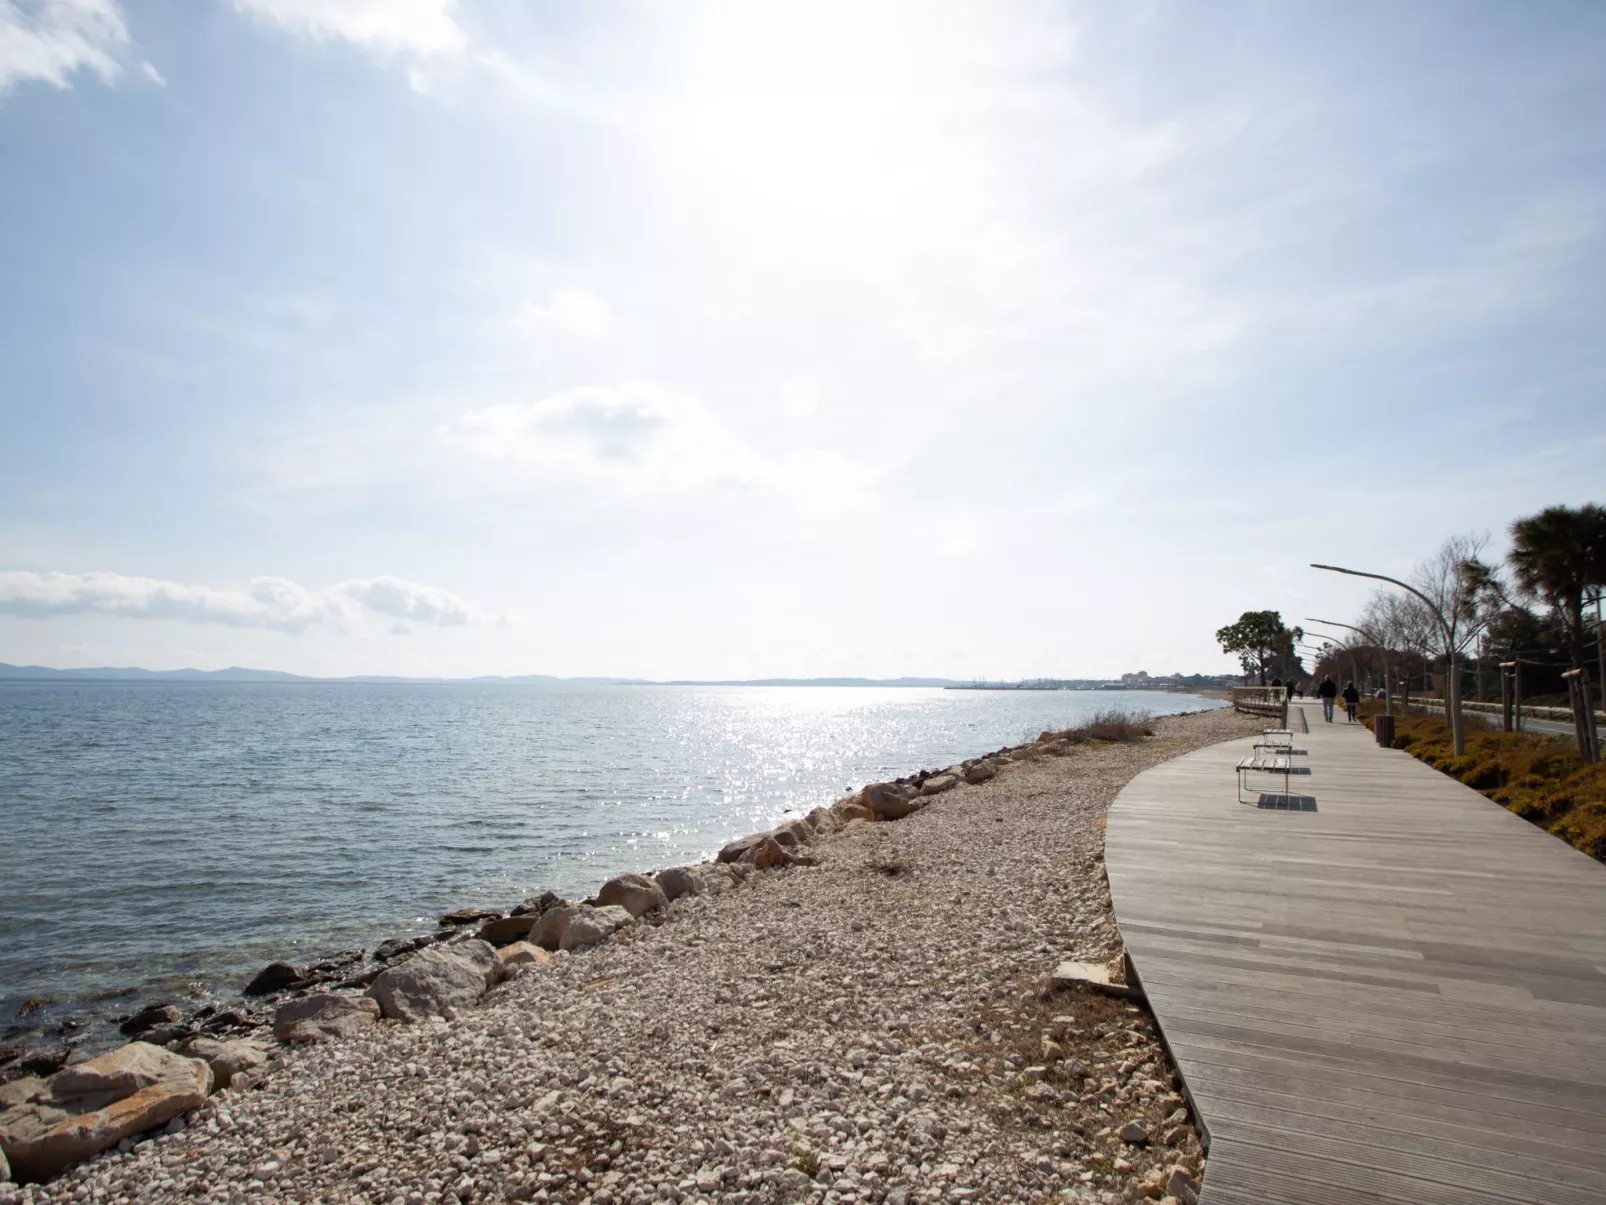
104	673
236	673
809	682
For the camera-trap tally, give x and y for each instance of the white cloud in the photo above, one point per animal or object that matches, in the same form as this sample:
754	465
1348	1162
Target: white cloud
50	40
800	399
568	312
422	27
642	438
269	602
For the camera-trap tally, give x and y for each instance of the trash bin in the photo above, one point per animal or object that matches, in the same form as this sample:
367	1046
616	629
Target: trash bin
1383	725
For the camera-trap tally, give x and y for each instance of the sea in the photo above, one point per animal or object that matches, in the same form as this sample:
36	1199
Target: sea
167	839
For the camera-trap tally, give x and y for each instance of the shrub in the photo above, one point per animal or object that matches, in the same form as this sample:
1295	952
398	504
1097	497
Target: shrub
1536	777
1118	726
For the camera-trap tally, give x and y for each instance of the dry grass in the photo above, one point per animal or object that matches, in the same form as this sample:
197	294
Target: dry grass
1538	777
1114	725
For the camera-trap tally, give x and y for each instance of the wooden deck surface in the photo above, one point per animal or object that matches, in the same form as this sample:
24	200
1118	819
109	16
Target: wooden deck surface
1399	996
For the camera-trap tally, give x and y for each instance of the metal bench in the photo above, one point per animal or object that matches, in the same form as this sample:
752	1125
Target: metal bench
1273	754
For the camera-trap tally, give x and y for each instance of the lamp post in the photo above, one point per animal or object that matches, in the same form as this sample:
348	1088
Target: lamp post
1388	691
1453	694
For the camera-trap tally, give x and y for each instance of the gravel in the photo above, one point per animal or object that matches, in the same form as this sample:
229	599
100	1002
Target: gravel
878	1027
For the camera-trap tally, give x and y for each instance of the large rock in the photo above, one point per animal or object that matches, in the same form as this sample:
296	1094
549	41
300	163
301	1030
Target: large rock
522	953
981	772
397	947
824	820
227	1059
97	1104
740	849
467	916
802	830
149	1018
889	801
588	926
537	904
549	930
855	811
769	854
678	881
635	893
938	783
437	978
323	1015
508	929
275	977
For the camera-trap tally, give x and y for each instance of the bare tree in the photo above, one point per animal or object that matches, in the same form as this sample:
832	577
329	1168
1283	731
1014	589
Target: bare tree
1402	624
1451	583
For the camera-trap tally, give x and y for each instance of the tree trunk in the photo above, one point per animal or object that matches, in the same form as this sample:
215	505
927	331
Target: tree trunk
1575	630
1452	697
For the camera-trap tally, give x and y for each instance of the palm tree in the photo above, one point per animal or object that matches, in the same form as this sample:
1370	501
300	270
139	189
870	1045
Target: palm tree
1559	556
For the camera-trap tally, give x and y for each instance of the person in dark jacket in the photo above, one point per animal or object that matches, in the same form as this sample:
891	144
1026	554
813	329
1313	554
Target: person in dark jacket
1328	690
1351	698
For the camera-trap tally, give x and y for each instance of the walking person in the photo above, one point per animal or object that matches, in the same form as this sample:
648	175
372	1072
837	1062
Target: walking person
1351	698
1328	690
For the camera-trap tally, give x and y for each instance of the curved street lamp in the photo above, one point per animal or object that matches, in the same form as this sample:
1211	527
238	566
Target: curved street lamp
1453	694
1388	691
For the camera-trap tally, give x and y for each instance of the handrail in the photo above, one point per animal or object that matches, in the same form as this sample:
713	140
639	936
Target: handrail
1262	700
1538	713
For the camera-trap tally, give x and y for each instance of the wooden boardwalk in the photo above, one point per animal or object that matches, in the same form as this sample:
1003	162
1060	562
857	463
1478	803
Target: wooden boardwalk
1399	996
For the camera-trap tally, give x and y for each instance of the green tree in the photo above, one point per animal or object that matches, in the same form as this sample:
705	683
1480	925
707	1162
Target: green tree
1262	643
1559	556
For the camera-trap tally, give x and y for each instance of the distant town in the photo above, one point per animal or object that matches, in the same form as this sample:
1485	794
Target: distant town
1141	680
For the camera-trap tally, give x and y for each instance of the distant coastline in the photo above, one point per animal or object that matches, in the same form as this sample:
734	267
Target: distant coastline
237	673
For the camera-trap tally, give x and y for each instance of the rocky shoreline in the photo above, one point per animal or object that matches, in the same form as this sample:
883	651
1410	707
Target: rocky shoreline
616	1049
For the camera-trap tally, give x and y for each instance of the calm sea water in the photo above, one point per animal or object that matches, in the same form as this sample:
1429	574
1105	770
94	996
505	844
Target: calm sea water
172	837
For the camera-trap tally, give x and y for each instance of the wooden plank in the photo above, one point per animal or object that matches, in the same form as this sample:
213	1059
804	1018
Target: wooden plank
1397	997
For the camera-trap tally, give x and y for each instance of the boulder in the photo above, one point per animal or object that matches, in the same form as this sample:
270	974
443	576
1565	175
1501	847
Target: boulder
768	854
508	929
149	1018
537	904
98	1103
890	801
435	979
323	1015
275	977
588	925
802	830
554	922
678	881
396	947
467	916
635	893
855	811
522	953
227	1059
981	772
938	783
824	820
739	849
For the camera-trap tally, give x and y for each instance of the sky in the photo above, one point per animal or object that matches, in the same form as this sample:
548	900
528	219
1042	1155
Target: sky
746	339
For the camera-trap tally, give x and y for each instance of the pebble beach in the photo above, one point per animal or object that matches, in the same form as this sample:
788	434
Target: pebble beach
876	1022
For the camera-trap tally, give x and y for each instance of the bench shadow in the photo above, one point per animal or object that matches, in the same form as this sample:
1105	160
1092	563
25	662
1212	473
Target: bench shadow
1287	803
